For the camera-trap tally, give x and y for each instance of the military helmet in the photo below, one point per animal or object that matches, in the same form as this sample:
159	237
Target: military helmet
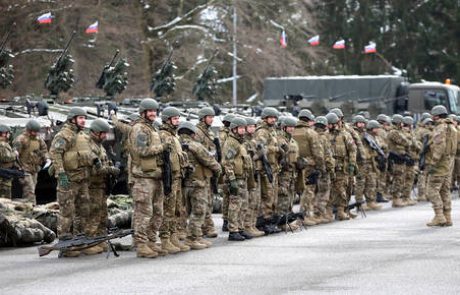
206	111
269	112
396	119
237	122
187	125
289	122
75	112
454	117
337	111
425	116
439	110
148	104
228	117
305	113
99	125
372	124
382	118
169	112
4	128
332	118
321	120
408	120
250	121
427	121
33	125
358	119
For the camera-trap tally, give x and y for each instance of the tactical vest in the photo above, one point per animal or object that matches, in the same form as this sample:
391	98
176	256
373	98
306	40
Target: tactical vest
300	135
31	152
176	150
200	172
79	154
7	156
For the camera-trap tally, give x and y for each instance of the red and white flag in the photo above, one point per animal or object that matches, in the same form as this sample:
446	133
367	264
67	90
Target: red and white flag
314	41
93	28
340	44
283	39
45	18
371	48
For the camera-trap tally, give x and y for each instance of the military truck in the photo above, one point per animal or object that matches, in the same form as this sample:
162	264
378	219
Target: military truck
377	94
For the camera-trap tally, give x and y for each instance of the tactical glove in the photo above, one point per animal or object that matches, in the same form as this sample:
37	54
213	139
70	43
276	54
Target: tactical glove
351	169
97	163
63	180
233	187
114	170
301	163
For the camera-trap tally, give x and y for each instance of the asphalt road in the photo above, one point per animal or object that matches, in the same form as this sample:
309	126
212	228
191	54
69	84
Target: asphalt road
391	251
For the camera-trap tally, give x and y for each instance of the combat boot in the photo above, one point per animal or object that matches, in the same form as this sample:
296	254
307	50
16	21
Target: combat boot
309	221
194	244
225	226
205	242
181	235
246	234
448	216
168	246
381	199
329	214
341	215
255	232
322	219
105	246
373	206
175	241
70	253
235	236
157	248
396	203
143	250
211	233
93	250
439	218
409	202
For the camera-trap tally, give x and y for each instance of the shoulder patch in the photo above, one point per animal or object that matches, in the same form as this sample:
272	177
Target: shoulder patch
231	153
59	143
141	140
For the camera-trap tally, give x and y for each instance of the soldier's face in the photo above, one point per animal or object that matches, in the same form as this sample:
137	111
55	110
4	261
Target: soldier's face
270	120
208	120
311	123
289	129
250	129
33	133
174	120
102	136
80	121
151	115
360	125
241	130
5	135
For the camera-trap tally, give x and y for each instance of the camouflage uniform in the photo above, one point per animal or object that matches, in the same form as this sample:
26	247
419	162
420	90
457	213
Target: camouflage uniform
382	176
421	132
456	172
206	137
71	155
33	152
146	150
223	135
310	150
236	164
356	179
440	163
413	151
344	152
202	165
367	176
7	159
324	182
125	129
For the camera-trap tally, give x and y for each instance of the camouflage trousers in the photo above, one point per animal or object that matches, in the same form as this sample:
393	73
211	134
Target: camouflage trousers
422	184
253	208
339	186
286	193
196	200
323	194
28	183
148	208
381	182
181	211
225	200
73	203
456	172
237	207
398	182
409	179
97	221
366	183
307	199
170	220
268	194
5	188
208	225
438	192
31	231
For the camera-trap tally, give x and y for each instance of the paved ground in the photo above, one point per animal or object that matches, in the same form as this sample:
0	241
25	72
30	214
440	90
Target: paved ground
389	252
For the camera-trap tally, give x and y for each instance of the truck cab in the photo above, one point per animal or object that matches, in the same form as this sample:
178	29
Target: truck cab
422	97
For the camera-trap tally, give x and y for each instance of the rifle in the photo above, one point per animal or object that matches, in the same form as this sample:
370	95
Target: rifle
167	173
6	173
214	179
101	81
381	159
312	178
422	159
81	242
265	164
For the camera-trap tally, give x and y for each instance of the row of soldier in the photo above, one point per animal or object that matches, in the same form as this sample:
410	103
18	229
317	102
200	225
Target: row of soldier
261	167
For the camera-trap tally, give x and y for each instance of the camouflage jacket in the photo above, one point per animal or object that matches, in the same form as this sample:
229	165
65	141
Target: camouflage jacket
177	156
397	141
235	160
145	149
205	136
326	149
343	149
413	150
265	137
223	134
309	146
201	163
290	155
33	152
98	176
443	147
361	152
7	155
